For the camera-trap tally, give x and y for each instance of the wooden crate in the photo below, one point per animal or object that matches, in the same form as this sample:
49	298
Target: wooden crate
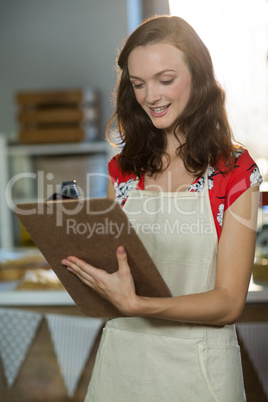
260	270
57	116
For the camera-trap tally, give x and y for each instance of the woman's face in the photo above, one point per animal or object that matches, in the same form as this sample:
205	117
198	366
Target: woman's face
161	82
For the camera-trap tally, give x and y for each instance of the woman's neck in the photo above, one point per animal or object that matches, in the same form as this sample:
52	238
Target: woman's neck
172	143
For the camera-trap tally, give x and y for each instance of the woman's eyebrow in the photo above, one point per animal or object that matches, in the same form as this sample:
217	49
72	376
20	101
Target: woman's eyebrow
156	75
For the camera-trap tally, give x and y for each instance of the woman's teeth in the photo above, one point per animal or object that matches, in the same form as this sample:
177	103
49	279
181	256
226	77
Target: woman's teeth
159	109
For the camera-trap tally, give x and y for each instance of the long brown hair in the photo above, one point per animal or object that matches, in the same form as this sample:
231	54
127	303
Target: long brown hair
203	123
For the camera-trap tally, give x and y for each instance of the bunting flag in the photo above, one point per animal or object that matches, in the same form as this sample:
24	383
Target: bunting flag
73	339
17	330
255	340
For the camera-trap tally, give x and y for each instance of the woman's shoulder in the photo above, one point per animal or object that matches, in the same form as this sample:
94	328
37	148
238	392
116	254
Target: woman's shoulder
243	174
243	165
227	185
237	154
116	172
123	181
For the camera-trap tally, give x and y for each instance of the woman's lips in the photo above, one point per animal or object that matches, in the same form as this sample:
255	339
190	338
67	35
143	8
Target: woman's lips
159	111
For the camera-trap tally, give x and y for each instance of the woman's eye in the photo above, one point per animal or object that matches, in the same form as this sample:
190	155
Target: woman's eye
168	82
137	86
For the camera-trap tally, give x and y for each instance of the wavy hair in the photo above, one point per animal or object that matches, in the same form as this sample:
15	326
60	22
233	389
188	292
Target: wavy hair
204	122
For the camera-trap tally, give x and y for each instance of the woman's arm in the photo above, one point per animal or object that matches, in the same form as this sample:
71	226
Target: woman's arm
220	306
110	190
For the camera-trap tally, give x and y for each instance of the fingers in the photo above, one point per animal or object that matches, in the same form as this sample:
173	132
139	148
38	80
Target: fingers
117	287
121	252
79	268
88	273
122	260
74	263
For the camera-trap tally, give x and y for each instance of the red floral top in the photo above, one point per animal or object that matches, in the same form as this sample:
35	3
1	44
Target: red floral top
224	189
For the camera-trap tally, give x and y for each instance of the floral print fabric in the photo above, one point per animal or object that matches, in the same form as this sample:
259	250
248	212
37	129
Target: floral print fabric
224	189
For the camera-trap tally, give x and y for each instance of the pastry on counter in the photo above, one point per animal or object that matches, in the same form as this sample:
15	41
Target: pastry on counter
40	279
15	264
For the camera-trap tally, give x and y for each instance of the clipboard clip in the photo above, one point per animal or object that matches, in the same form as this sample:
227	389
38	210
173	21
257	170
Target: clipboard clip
67	190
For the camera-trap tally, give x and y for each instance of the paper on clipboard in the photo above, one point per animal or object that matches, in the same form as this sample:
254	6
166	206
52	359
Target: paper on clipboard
91	230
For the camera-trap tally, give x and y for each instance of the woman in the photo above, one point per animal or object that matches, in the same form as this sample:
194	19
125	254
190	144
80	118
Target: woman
178	169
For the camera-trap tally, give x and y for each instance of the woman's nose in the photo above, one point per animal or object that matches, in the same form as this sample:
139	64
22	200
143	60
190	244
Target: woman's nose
152	94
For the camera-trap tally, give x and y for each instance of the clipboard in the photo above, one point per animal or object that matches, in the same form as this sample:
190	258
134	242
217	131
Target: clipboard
90	230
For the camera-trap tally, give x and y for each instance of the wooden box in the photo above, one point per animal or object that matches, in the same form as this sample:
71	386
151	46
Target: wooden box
57	116
260	270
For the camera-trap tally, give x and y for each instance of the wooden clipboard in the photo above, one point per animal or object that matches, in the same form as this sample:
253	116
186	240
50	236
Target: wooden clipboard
91	230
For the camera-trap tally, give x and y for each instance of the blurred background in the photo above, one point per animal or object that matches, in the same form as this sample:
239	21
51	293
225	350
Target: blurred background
57	74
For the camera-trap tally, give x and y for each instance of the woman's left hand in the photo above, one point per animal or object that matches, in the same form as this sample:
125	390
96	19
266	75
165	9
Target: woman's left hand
118	287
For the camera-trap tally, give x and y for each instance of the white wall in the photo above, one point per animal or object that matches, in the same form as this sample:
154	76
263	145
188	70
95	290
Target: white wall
151	7
58	44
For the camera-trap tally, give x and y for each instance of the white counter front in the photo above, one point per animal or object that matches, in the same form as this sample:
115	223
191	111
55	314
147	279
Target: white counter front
258	293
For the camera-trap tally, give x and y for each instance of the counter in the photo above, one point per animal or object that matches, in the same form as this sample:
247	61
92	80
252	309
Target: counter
258	293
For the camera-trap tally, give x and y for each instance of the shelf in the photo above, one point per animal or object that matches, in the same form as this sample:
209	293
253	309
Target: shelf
9	151
27	200
35	298
258	292
58	149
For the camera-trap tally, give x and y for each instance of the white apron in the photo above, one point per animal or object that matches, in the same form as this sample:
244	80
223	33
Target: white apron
151	360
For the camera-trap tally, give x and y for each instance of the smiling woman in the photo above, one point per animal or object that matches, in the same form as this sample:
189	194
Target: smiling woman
164	91
192	196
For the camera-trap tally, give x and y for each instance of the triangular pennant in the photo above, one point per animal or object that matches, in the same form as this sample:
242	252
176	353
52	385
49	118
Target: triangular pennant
255	340
17	331
73	339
